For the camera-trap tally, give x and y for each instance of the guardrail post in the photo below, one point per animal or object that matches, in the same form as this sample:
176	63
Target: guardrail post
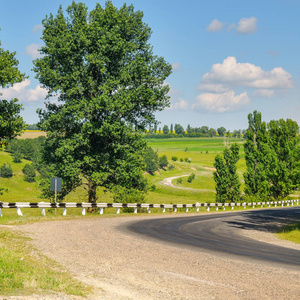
148	209
135	210
163	209
19	211
186	209
64	211
101	210
83	211
287	203
0	212
43	212
118	210
175	208
207	207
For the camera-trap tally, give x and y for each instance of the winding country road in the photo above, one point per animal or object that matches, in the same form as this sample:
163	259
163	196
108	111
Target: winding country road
222	233
178	256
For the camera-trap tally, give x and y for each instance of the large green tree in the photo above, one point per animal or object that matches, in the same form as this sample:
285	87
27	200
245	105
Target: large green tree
284	170
11	123
108	81
225	176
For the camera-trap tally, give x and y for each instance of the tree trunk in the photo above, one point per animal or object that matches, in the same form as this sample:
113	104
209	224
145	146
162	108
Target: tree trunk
92	194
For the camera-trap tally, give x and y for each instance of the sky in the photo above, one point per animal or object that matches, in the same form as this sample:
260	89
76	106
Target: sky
229	57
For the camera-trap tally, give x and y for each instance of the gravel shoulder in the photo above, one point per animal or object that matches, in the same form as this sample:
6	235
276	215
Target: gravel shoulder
123	265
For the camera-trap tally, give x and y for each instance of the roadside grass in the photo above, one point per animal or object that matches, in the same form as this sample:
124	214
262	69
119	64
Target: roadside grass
24	271
290	232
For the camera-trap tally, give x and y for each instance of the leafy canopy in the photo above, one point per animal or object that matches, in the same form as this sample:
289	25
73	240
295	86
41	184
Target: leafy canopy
108	81
11	123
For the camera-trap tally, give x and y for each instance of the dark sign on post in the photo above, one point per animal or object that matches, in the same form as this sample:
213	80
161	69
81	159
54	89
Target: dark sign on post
56	184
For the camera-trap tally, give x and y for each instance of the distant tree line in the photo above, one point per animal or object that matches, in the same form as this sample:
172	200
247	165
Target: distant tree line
178	131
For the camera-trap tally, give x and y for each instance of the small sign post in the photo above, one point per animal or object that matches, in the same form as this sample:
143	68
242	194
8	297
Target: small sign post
56	185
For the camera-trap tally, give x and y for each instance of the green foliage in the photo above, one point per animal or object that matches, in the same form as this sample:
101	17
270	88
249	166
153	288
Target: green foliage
32	127
17	157
221	131
191	178
29	173
11	123
6	170
29	148
272	156
163	161
258	157
151	160
225	176
101	63
174	158
178	129
165	129
179	180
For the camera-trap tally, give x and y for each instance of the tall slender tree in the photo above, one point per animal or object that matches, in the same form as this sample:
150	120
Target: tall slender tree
225	176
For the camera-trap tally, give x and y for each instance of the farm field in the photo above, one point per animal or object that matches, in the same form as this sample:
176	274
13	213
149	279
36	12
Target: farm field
200	151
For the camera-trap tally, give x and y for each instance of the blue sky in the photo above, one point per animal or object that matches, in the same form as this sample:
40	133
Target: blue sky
229	57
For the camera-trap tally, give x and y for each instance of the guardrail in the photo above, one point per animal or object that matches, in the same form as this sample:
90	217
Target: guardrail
135	206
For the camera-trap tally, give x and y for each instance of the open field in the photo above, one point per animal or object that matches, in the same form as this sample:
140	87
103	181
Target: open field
200	151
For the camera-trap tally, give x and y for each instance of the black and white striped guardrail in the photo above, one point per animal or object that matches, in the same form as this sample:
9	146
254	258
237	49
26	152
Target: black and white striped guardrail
135	206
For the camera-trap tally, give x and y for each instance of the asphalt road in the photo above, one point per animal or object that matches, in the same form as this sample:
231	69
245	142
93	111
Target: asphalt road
222	233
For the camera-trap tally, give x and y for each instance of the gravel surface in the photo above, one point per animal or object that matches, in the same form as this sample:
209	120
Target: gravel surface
123	265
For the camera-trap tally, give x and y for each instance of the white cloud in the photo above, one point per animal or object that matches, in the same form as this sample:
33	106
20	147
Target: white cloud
38	27
179	105
219	83
32	50
247	25
222	102
230	74
231	26
176	66
215	25
23	93
264	93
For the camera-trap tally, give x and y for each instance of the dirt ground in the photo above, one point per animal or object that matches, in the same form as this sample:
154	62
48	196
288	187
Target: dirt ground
122	265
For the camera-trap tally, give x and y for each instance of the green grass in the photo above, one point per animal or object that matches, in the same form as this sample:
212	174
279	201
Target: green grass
202	152
24	271
290	232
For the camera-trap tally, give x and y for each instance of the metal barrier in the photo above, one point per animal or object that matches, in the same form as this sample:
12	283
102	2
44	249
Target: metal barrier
135	206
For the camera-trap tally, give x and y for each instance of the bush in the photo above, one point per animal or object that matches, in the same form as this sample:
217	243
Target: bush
171	167
179	180
29	173
17	157
163	161
6	171
151	160
174	158
181	159
191	178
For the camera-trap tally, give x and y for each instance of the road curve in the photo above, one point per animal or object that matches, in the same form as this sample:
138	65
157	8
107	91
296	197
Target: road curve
222	232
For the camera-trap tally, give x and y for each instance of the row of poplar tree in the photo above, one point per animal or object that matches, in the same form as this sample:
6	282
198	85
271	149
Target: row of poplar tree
272	154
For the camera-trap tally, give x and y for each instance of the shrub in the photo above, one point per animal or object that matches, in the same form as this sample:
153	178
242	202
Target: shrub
191	178
181	159
6	171
17	157
151	160
29	173
174	158
163	161
171	167
179	180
